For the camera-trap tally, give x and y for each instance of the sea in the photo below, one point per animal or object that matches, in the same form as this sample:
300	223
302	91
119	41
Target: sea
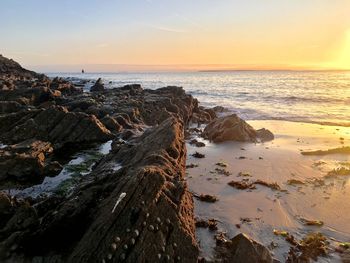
302	96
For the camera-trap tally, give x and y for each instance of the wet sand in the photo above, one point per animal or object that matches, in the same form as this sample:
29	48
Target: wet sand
277	161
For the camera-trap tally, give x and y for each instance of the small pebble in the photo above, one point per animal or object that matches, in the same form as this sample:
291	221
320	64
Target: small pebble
128	230
151	228
167	221
158	220
159	256
122	256
114	246
132	241
125	246
136	232
117	239
109	256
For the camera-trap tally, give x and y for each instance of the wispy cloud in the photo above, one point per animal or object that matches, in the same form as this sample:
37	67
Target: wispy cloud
188	20
166	29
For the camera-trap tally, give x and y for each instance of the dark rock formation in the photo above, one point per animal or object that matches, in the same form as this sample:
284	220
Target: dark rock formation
11	69
26	162
229	128
55	125
63	86
134	207
10	106
98	86
233	128
265	135
241	248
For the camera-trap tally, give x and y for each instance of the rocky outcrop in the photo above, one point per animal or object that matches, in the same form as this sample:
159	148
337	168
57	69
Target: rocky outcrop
26	162
11	69
56	125
229	128
10	106
265	135
241	248
134	207
233	128
98	86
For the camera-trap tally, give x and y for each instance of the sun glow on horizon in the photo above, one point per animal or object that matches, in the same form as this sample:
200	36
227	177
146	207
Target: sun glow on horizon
342	60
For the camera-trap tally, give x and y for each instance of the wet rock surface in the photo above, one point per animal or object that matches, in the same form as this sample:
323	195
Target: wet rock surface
233	128
26	161
241	248
133	203
132	206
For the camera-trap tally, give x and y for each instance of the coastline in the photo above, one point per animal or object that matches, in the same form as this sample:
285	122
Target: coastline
264	209
135	197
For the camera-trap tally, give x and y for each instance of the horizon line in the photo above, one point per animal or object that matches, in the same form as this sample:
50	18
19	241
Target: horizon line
108	68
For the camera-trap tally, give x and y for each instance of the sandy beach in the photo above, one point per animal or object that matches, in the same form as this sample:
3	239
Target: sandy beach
258	212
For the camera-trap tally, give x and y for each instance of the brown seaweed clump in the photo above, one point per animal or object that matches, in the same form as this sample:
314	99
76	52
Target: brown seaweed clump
273	186
309	248
210	223
242	185
206	198
198	155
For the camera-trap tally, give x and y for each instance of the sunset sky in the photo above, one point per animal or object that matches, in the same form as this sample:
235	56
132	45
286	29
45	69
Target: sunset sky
181	34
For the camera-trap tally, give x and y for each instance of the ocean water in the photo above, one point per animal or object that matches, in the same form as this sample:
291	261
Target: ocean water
305	96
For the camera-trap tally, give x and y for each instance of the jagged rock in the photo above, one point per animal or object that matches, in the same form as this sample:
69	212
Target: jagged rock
133	89
10	106
229	128
136	208
111	124
81	104
10	68
219	109
30	96
233	128
98	86
65	87
56	125
241	248
265	135
25	162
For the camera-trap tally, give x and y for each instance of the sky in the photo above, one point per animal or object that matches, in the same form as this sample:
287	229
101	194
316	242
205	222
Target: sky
112	35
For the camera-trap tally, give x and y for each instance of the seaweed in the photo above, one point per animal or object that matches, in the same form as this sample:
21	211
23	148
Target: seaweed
222	171
210	223
198	155
241	185
341	150
206	198
221	164
244	174
273	186
342	171
295	182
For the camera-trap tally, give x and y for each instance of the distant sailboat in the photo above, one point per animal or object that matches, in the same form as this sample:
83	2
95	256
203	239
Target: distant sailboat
82	71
